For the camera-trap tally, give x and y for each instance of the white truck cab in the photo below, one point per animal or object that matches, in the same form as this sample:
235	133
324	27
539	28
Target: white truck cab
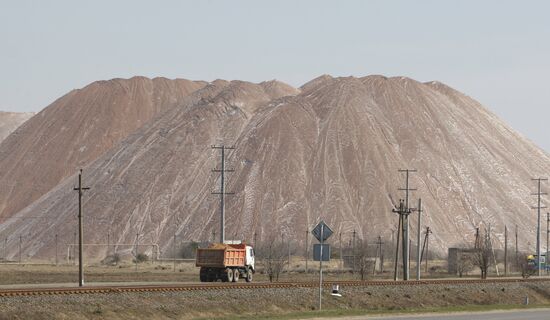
250	258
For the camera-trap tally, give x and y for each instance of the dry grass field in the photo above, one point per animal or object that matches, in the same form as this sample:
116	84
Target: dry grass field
45	273
281	303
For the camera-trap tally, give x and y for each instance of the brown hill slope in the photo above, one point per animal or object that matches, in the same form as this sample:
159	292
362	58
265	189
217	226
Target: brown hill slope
9	121
332	152
76	129
163	168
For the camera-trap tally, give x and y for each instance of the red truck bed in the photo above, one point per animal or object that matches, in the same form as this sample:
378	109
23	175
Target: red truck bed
221	256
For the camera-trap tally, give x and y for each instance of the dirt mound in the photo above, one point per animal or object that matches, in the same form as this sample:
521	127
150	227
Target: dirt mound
9	121
331	152
75	130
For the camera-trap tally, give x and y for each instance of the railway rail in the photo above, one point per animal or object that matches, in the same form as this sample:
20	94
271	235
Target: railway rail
259	285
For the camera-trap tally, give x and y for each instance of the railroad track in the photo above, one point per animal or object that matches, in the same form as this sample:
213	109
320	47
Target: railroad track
259	285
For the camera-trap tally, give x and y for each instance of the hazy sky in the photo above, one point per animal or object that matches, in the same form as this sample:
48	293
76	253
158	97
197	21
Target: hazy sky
498	52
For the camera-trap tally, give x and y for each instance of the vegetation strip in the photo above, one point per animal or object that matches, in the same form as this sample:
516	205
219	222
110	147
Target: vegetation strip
189	287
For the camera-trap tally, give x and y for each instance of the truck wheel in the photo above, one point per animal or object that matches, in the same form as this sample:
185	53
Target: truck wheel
228	275
203	275
248	275
235	275
211	276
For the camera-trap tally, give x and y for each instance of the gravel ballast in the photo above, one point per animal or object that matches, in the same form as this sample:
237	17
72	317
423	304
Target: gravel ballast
228	302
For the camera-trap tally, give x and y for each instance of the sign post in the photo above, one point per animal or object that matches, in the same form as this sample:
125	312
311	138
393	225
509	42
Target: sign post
322	232
321	269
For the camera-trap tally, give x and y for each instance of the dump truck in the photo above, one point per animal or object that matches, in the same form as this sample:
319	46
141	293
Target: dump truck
226	262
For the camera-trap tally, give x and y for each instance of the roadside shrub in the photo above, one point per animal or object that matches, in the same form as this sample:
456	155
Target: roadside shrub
111	260
141	257
189	250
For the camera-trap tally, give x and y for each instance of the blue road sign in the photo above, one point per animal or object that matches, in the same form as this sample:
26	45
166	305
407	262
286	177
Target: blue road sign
326	231
317	252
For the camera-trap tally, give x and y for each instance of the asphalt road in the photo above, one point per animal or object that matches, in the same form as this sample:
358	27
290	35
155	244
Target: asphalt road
528	314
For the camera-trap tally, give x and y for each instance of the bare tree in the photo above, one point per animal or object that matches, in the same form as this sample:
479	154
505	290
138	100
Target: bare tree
363	264
273	257
189	250
483	256
465	263
112	259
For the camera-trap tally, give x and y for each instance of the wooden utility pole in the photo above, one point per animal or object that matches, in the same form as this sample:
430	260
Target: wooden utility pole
154	253
222	192
419	209
174	249
517	251
403	213
288	244
505	250
405	224
379	255
396	260
410	256
547	234
538	207
74	248
137	246
353	250
80	190
425	246
477	243
341	252
493	251
307	249
56	259
20	244
5	247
